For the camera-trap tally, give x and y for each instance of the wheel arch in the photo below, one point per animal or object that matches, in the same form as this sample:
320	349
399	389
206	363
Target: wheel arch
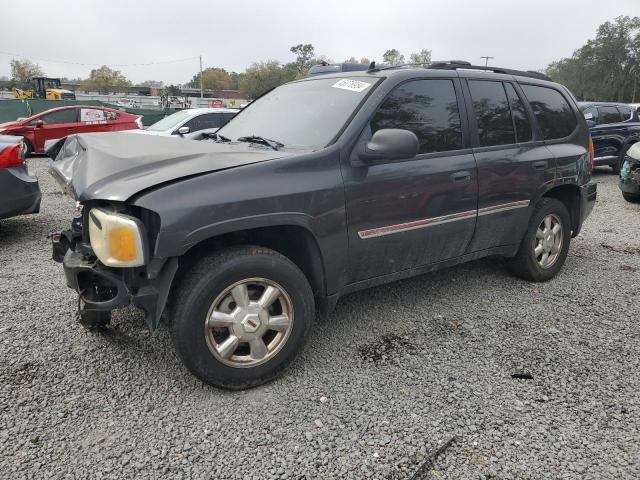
294	241
569	195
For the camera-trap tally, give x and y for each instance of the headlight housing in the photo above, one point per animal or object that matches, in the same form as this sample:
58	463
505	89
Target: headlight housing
116	239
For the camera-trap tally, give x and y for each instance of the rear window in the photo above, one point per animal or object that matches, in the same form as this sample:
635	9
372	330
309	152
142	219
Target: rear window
608	115
492	112
552	111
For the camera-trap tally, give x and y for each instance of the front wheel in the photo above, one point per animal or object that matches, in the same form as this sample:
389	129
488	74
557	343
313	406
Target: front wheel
241	316
631	198
545	244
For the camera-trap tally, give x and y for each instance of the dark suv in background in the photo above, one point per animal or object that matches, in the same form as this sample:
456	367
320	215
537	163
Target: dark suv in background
322	187
614	128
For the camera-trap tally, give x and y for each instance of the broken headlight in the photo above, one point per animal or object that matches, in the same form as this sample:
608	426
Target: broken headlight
116	239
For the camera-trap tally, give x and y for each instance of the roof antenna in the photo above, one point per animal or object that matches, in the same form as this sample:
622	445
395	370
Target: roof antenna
372	66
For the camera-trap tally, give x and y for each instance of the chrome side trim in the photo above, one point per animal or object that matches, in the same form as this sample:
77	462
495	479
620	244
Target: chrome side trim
405	227
503	207
429	222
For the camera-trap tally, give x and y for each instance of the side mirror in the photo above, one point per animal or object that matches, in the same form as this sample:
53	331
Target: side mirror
39	123
390	144
183	130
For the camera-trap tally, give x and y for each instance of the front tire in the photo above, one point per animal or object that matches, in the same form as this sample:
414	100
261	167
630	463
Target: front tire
545	245
27	148
631	198
241	316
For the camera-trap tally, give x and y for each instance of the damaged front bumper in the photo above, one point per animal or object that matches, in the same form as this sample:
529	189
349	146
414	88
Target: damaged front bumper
104	289
630	177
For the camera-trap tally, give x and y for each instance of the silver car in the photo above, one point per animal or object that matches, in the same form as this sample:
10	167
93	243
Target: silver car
189	121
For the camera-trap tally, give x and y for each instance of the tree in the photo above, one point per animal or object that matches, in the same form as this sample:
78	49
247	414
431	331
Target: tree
423	57
263	76
106	80
304	55
365	61
605	68
393	57
213	79
351	59
152	83
23	70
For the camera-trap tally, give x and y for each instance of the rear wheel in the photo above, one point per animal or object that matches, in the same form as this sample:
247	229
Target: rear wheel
241	316
545	244
27	148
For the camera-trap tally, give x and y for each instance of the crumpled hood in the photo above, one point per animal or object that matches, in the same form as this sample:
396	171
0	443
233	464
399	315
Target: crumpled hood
117	165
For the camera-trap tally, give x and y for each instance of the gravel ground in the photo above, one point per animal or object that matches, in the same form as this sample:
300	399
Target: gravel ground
387	378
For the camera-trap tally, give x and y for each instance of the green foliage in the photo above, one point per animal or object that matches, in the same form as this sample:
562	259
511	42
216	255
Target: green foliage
213	79
607	67
304	56
423	57
393	57
106	80
23	70
263	76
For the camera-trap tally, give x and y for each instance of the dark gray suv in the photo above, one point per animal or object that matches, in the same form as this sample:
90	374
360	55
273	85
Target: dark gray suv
321	187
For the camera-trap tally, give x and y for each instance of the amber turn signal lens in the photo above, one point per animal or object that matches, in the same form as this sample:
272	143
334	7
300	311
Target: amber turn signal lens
122	244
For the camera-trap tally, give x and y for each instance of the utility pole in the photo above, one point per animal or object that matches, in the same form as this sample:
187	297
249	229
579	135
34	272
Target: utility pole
486	60
201	91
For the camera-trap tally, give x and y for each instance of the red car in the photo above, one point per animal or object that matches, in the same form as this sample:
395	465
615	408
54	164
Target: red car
60	122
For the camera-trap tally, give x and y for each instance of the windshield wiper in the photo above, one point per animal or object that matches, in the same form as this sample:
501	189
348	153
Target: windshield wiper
262	140
217	136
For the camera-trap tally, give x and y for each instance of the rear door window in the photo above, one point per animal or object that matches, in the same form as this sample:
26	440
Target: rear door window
493	115
591	113
608	115
520	116
552	111
428	108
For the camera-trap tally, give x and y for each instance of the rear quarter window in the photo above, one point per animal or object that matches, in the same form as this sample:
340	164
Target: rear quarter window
552	111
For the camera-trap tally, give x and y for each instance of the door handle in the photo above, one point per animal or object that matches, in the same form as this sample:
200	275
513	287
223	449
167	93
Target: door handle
541	165
461	177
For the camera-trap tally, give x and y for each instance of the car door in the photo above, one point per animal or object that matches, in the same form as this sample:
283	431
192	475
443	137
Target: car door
56	124
409	213
609	134
93	120
512	167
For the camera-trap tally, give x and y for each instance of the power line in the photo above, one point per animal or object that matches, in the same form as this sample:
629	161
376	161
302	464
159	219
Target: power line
98	64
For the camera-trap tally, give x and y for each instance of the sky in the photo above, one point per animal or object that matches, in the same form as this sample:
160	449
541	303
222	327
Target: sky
521	34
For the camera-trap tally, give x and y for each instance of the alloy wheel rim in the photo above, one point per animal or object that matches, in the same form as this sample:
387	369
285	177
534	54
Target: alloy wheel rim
249	322
549	239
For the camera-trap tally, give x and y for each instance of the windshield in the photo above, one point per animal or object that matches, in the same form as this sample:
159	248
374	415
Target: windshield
170	122
307	114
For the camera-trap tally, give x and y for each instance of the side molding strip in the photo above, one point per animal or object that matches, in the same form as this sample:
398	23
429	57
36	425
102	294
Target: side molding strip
429	222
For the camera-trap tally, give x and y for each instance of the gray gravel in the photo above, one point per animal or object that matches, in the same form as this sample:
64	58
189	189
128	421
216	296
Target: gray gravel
385	380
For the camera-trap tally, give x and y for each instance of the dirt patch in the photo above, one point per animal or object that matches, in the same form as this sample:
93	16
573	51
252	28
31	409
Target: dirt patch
389	346
627	250
21	374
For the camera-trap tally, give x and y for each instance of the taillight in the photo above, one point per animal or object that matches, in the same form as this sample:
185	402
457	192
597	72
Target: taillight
11	157
591	154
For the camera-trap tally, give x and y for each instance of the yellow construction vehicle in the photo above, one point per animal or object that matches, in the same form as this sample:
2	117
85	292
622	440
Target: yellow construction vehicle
44	88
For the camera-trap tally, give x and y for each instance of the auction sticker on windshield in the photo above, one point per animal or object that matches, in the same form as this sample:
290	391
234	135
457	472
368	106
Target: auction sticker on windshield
353	85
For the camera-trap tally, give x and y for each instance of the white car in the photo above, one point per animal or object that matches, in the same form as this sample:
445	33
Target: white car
189	121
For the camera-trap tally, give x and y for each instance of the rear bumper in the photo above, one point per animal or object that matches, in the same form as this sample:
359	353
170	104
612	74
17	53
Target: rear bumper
19	193
588	194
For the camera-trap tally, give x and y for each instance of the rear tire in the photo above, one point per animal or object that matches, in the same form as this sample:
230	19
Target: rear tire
530	262
221	330
631	198
27	148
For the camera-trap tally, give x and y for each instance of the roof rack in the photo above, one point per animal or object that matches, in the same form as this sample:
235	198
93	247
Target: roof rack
460	64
